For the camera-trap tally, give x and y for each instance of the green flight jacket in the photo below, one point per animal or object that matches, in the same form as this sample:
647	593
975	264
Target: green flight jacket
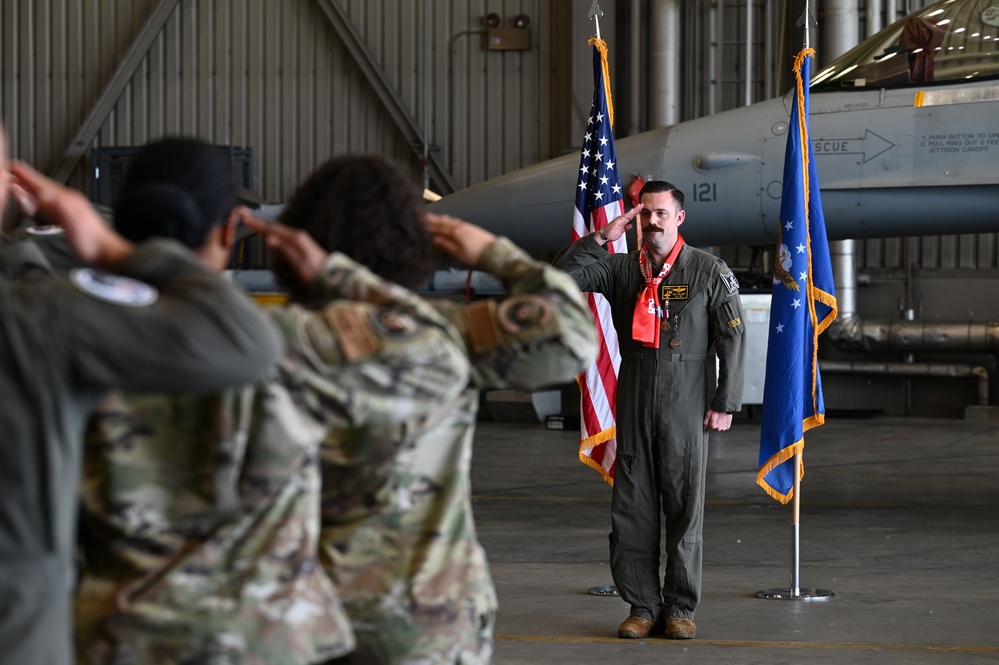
61	349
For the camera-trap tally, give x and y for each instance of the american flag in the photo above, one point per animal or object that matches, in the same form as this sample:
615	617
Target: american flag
599	200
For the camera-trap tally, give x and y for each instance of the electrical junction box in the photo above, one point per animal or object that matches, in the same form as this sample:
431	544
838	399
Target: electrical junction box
508	39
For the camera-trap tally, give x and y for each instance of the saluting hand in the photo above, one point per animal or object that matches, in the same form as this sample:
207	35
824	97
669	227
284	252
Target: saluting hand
296	246
619	225
464	241
90	238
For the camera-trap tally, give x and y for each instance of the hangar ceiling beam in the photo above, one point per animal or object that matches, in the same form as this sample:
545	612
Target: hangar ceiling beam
74	152
383	88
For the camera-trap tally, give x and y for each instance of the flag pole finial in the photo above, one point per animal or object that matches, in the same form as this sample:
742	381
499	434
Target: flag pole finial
809	22
595	14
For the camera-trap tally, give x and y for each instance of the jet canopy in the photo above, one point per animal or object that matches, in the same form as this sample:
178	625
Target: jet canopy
946	42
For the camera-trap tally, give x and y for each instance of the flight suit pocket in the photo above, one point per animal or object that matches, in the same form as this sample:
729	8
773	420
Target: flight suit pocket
728	319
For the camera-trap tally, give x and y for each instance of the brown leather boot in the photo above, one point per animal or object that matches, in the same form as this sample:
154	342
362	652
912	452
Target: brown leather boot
680	629
635	627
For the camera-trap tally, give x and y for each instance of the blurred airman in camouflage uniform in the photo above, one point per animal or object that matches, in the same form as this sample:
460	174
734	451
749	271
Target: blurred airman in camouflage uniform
398	536
202	511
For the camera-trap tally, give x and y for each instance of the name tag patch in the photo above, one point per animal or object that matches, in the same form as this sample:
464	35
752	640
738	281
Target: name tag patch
674	291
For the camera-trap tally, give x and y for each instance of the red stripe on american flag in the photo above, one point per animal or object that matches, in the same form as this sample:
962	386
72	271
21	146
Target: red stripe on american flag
591	419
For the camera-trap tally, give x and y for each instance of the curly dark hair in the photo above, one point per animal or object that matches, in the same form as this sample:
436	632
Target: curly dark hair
364	207
175	187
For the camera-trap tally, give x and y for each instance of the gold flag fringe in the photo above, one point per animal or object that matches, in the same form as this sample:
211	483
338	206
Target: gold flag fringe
591	442
601	46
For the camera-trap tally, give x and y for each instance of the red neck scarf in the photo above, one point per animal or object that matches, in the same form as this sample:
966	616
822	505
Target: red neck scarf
645	324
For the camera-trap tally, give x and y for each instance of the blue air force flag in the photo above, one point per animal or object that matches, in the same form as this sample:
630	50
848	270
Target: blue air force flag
803	305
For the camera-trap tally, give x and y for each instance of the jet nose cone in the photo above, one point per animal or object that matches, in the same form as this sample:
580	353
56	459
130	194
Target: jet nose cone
532	206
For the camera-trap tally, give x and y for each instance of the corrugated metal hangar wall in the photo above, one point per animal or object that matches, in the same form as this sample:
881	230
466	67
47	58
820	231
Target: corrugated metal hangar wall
422	82
298	81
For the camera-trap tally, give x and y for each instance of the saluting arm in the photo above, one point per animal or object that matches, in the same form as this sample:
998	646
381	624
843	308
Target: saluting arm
541	334
588	263
194	332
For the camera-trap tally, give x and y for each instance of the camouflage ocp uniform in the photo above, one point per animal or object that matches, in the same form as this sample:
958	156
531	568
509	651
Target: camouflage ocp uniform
398	537
202	511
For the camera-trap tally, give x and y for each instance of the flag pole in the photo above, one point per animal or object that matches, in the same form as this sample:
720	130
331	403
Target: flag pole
796	527
795	592
606	590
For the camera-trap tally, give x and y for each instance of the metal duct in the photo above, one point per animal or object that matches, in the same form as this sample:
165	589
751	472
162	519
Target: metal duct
664	63
872	16
850	332
841	29
914	369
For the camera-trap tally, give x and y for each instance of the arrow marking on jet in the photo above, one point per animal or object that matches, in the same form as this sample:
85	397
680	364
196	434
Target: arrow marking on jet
870	146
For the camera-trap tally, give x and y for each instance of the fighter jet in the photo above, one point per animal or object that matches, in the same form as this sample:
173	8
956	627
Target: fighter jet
903	127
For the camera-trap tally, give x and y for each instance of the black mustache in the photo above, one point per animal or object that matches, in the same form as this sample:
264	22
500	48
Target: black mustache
653	229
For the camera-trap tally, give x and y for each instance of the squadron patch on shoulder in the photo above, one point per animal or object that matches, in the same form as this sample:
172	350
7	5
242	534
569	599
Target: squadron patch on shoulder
113	289
730	281
43	230
515	314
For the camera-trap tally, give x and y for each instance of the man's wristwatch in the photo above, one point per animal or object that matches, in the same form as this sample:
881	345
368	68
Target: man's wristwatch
603	235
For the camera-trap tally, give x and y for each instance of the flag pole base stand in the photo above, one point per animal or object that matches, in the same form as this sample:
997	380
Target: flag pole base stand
796	594
602	591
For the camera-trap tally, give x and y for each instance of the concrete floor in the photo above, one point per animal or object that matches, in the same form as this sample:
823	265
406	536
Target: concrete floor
899	519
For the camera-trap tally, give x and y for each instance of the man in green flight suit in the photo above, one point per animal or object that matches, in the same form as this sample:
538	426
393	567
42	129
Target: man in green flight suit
671	304
160	322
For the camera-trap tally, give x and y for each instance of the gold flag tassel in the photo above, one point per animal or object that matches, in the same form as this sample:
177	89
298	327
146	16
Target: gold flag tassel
601	46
